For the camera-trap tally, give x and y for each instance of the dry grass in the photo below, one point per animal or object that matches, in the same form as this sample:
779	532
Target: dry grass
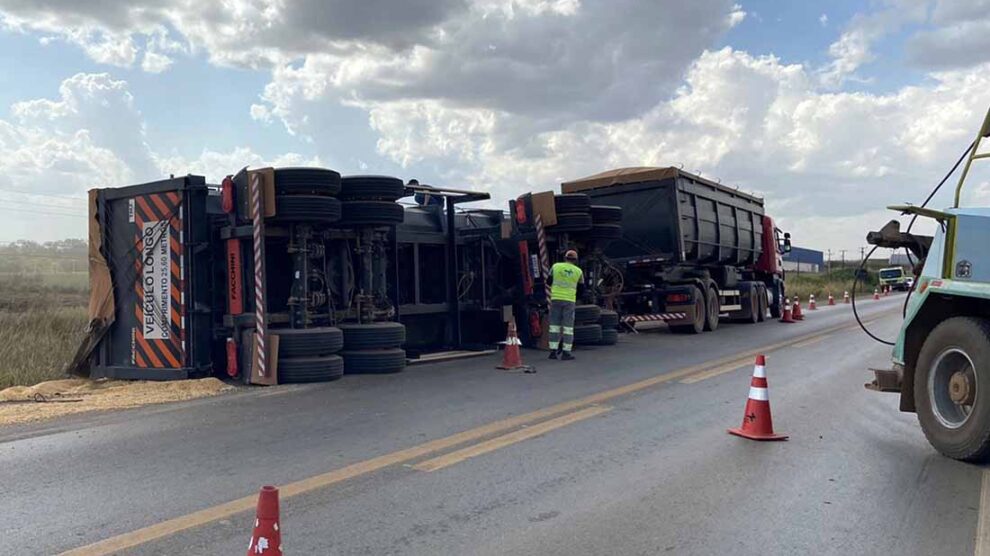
803	285
41	325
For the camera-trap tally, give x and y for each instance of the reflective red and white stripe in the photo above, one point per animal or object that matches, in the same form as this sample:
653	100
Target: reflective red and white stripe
259	274
758	386
654	317
541	243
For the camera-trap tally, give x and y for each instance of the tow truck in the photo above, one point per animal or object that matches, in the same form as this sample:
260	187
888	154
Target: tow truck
941	358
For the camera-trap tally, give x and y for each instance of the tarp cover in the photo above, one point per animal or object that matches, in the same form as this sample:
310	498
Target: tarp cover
619	176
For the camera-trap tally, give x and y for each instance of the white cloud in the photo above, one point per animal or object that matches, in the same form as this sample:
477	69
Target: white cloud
91	135
736	16
154	62
823	20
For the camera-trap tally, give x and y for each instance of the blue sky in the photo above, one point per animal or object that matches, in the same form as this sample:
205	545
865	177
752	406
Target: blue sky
501	95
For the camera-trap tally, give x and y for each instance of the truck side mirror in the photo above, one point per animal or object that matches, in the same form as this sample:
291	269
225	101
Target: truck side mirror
787	242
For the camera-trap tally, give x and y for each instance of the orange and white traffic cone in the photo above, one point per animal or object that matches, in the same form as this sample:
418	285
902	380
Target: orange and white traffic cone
796	313
886	291
787	316
845	297
757	423
831	300
266	540
511	357
876	294
811	303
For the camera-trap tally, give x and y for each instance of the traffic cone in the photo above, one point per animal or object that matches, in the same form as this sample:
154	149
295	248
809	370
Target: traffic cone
266	540
787	316
757	423
811	303
511	357
796	313
845	297
831	300
876	294
886	291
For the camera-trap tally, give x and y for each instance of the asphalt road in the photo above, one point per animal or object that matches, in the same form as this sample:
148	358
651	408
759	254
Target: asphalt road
623	451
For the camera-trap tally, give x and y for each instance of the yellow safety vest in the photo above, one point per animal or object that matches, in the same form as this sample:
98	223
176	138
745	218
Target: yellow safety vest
566	277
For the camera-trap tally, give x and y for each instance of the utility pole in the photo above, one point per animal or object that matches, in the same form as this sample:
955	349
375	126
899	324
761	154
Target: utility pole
843	251
828	265
862	254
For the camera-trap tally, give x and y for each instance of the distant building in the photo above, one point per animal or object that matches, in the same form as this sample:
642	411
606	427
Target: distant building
900	259
804	260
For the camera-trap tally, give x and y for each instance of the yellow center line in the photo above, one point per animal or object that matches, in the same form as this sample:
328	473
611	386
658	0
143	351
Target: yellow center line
810	342
207	515
720	370
499	442
982	543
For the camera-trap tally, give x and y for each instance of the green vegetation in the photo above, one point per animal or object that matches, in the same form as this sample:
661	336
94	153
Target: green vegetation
841	280
42	320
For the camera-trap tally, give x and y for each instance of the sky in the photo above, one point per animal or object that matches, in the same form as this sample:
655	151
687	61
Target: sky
830	110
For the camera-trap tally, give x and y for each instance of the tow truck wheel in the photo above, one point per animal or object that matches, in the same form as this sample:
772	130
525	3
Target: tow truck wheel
698	326
712	310
571	223
776	307
952	388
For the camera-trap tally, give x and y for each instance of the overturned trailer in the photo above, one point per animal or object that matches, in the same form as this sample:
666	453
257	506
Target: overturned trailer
291	275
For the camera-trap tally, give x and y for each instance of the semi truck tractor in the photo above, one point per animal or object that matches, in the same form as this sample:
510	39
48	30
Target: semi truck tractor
691	251
941	358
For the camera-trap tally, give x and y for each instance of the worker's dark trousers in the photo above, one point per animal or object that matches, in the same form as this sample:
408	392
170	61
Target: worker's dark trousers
561	320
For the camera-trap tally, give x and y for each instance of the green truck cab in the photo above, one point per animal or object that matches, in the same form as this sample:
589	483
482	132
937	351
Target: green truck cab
894	278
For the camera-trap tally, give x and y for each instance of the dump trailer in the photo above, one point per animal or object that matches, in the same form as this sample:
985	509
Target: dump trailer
691	250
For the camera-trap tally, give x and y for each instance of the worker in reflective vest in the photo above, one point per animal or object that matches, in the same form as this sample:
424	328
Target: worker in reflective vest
565	278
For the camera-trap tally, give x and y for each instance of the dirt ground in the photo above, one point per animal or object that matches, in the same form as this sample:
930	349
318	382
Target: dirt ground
55	398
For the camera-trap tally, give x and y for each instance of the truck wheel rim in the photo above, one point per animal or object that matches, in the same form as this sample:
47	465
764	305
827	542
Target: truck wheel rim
951	371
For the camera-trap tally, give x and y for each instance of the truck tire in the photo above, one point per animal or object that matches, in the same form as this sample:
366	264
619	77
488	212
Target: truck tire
604	231
309	342
587	314
374	361
371	213
571	223
371	188
373	335
762	293
587	334
952	388
297	370
609	319
602	214
610	337
776	306
306	181
572	203
754	306
698	326
712	309
307	208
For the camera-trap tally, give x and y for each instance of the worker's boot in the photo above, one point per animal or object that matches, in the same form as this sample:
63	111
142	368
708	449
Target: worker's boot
553	354
566	356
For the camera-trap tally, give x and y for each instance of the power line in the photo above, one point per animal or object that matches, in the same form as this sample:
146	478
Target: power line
17	209
53	195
